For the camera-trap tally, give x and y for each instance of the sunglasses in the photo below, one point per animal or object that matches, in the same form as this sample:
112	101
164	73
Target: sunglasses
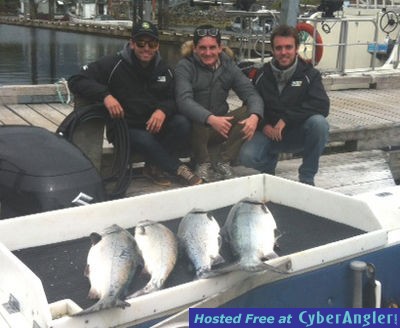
142	43
207	31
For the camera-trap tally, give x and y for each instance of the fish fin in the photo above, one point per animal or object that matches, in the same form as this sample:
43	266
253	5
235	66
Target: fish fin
264	208
93	294
149	288
140	230
94	238
86	272
218	260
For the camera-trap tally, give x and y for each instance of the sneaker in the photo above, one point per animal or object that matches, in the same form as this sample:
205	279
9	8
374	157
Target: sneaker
205	172
225	169
191	178
156	175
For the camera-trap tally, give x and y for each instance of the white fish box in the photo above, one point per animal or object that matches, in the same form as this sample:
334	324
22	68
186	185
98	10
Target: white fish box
374	214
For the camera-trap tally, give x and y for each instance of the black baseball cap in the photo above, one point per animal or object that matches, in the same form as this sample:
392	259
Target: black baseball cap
144	28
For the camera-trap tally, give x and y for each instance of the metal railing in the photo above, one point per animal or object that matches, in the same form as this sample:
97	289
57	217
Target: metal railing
375	4
343	44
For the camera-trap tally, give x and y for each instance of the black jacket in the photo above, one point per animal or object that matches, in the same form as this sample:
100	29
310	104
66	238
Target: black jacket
303	96
139	90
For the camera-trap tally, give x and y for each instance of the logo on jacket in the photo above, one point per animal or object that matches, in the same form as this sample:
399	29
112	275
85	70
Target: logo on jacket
296	83
162	78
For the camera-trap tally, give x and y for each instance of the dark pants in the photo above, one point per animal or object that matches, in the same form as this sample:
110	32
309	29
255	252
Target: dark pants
203	137
311	137
162	149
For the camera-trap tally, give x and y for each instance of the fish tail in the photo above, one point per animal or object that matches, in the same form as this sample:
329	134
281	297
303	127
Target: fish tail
264	267
221	270
103	304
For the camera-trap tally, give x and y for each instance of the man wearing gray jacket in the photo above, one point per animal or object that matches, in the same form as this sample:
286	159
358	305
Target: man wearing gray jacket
203	80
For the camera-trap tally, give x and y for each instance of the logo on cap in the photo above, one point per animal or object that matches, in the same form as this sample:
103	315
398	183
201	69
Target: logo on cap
146	26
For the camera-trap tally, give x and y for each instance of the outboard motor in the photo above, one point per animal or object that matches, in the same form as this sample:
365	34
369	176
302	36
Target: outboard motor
41	171
328	7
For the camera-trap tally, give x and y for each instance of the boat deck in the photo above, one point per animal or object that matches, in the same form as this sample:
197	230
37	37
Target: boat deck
60	266
364	124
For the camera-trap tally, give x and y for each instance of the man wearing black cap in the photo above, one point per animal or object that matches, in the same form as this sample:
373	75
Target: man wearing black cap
136	84
204	78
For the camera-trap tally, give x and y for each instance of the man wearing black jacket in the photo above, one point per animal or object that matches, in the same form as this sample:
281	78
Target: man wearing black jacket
295	109
136	84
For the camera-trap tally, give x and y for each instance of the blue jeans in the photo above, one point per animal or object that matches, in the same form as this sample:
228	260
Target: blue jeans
162	149
261	153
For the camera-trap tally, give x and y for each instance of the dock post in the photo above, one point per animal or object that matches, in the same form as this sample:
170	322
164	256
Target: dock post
289	12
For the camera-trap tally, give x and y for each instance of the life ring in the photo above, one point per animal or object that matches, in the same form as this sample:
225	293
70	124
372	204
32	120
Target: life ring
319	49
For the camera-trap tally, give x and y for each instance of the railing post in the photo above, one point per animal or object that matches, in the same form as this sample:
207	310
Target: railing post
341	60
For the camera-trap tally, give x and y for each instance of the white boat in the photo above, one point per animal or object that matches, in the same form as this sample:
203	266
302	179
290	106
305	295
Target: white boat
323	234
357	39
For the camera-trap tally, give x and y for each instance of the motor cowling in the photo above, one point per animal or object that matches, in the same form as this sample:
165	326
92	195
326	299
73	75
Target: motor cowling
41	171
328	7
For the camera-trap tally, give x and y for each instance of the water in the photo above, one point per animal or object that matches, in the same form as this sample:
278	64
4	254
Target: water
40	56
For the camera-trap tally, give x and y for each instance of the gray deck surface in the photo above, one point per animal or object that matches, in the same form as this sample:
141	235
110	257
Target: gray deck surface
362	121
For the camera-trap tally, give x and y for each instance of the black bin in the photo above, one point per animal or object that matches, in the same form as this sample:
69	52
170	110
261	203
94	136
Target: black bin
41	171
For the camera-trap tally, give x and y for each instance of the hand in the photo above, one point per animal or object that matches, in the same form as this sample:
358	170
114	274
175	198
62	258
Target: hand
249	126
114	107
221	124
156	121
275	132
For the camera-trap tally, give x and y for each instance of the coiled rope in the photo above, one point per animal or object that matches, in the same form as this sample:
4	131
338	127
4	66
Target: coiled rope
121	169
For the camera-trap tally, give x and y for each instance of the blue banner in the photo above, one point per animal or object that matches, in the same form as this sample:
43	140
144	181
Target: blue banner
323	318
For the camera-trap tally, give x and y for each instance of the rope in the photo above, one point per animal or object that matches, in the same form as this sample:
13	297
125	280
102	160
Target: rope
121	172
63	82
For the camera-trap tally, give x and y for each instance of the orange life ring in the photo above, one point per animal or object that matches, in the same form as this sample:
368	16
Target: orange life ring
319	49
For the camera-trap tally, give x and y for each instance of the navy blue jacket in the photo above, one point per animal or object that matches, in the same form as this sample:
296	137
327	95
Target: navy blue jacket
303	96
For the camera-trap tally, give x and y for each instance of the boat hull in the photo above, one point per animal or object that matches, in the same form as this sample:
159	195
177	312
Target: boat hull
359	227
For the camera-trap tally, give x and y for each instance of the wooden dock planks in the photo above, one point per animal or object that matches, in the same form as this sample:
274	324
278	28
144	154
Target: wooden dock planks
366	119
33	117
9	117
349	173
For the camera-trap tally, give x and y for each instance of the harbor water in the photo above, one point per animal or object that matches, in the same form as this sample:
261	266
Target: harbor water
41	56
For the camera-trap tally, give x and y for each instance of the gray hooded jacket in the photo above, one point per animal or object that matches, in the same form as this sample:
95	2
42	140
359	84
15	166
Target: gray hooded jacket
201	91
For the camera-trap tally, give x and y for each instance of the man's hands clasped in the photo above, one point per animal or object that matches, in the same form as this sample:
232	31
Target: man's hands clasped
223	125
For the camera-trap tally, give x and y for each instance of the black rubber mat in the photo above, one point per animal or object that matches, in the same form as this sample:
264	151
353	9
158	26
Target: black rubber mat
60	266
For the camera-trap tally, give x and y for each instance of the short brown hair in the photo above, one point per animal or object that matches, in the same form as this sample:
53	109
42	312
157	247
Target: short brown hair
285	31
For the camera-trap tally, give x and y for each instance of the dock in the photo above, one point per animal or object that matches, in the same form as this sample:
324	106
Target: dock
363	153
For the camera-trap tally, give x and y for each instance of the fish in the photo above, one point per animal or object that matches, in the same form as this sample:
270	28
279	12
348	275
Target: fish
199	237
250	232
112	262
159	248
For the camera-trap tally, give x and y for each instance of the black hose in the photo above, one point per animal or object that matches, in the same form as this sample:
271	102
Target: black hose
118	135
